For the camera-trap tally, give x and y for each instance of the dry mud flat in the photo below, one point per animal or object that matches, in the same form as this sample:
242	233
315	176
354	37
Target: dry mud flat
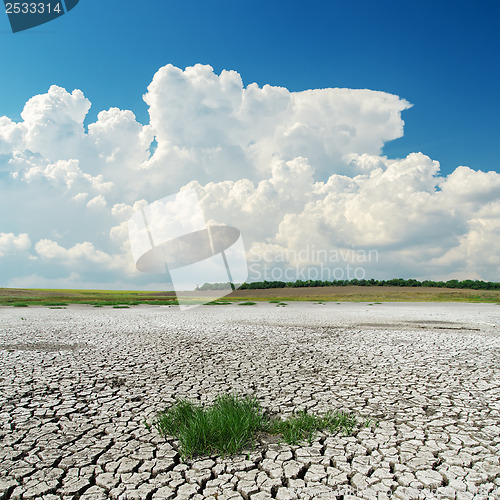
77	384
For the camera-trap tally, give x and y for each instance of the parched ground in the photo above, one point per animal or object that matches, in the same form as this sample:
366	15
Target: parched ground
77	384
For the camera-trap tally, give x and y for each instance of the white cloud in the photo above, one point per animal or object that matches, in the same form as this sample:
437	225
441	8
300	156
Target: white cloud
134	138
67	173
12	244
289	169
53	123
124	212
48	249
465	185
219	129
11	135
396	209
80	196
87	260
97	202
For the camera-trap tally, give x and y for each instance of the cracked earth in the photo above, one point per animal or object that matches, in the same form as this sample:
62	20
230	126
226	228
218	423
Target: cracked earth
76	386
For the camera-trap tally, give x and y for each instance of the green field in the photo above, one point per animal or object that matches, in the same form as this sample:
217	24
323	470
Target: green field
19	297
368	294
59	298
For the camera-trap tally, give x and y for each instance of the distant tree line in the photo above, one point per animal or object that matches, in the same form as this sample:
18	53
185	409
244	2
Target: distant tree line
471	284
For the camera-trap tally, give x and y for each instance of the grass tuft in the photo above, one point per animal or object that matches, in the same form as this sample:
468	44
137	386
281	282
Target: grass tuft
247	303
304	426
231	423
19	304
369	422
224	428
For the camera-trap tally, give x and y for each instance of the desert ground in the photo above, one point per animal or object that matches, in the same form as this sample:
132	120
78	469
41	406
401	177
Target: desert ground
78	384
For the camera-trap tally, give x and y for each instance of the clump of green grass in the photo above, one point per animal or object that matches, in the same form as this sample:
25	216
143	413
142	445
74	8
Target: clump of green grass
274	301
218	303
19	304
56	307
247	303
121	306
281	304
231	423
370	421
304	425
224	428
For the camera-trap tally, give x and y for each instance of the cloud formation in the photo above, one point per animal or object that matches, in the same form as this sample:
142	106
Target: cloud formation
10	243
218	129
291	170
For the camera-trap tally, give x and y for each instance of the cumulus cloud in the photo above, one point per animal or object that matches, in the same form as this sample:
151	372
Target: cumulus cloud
397	211
48	249
293	171
66	173
12	244
97	202
53	123
220	129
465	185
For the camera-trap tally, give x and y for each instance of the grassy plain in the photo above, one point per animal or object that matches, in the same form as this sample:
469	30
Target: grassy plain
45	297
369	294
59	298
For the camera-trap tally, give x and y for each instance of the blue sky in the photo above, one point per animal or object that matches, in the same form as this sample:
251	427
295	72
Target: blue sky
443	57
366	183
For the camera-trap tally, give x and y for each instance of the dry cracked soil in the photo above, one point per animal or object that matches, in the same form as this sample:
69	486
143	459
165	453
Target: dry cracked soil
77	384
